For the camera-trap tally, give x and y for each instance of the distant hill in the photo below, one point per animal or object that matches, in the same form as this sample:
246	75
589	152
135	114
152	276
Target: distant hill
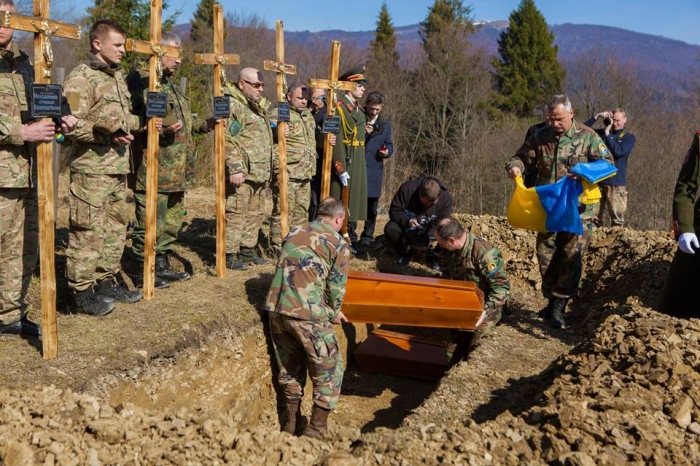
659	60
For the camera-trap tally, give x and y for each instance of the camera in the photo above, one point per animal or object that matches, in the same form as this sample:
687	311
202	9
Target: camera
607	121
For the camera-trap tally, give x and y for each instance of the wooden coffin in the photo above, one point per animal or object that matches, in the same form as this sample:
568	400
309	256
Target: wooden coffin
402	355
385	298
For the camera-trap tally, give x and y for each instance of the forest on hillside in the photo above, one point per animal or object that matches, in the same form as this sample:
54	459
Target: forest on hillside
457	112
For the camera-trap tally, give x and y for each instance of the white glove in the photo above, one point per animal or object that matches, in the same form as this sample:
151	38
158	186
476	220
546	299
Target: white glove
344	178
481	319
687	241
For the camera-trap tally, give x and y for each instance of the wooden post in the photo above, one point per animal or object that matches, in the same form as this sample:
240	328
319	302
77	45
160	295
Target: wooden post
219	59
281	68
157	51
43	29
333	86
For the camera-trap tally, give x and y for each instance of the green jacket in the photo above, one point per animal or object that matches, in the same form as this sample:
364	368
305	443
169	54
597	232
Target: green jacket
301	144
686	202
481	263
16	77
553	156
99	98
176	151
248	137
312	270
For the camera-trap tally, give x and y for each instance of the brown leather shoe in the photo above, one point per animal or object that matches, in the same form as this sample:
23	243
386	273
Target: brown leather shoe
319	423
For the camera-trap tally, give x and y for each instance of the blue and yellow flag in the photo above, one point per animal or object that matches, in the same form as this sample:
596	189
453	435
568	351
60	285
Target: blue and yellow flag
554	207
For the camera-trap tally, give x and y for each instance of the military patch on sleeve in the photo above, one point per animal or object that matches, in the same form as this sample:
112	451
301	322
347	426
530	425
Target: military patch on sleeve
73	99
493	267
603	149
234	128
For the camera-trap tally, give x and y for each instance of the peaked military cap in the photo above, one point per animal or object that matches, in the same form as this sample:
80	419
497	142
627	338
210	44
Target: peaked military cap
356	74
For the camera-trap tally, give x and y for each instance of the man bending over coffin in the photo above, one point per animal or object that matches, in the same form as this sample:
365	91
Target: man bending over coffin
470	258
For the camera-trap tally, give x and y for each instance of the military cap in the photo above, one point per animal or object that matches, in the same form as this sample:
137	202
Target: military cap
356	74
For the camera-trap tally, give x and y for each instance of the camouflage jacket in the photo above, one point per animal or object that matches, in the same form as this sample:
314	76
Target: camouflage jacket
98	97
16	77
686	202
312	269
301	144
176	151
248	137
554	155
481	263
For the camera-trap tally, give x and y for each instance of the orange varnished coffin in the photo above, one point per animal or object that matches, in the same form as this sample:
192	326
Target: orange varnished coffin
373	297
402	355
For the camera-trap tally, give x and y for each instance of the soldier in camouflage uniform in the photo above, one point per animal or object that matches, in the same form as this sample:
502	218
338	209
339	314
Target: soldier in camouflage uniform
19	230
301	162
553	151
176	163
304	302
99	161
466	257
249	155
681	294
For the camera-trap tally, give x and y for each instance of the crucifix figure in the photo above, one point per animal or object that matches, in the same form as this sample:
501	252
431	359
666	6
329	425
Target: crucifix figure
282	69
47	105
157	51
332	85
221	112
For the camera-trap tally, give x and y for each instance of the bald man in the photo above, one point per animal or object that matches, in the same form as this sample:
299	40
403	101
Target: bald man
249	158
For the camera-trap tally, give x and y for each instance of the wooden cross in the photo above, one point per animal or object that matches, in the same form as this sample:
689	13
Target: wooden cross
281	68
157	51
219	59
44	28
333	86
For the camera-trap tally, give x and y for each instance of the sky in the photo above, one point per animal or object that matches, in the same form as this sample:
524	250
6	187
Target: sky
673	19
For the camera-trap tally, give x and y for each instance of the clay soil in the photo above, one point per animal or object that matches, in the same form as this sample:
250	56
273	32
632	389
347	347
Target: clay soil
186	378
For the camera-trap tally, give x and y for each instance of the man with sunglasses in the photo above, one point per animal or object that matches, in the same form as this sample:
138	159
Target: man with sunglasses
249	167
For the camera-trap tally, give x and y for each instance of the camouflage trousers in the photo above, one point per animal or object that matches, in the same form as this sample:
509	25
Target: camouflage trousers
301	345
245	214
170	215
560	256
19	245
298	200
97	233
613	203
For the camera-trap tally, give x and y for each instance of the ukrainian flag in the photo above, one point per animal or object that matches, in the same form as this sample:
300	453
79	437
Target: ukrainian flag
554	207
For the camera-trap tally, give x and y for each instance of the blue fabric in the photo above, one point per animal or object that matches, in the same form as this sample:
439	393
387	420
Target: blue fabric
560	204
594	172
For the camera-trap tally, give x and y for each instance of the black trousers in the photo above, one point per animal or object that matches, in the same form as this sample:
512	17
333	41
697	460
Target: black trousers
368	233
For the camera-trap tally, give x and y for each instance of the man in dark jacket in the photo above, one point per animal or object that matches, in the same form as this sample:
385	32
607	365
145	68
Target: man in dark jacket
415	211
378	148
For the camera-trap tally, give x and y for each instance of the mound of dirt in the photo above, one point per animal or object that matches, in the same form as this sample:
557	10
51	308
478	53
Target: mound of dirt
620	386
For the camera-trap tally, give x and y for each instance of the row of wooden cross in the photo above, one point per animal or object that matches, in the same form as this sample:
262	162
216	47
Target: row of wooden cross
44	29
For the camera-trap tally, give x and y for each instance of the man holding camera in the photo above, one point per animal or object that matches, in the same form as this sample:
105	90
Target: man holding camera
620	142
415	211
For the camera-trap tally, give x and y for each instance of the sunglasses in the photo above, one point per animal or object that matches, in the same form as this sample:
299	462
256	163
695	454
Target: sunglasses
255	85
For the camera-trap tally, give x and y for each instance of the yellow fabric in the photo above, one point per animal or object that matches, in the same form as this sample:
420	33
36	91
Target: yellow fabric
525	210
591	192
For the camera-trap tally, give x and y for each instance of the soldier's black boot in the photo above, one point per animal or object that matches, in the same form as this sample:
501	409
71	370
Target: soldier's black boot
88	302
248	255
137	278
24	327
319	423
234	263
109	288
164	271
557	318
546	312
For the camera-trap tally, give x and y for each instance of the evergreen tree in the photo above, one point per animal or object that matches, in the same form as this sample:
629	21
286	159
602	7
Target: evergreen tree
202	23
446	13
527	72
383	47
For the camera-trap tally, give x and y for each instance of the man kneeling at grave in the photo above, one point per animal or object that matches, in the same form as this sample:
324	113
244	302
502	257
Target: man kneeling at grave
416	209
470	258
